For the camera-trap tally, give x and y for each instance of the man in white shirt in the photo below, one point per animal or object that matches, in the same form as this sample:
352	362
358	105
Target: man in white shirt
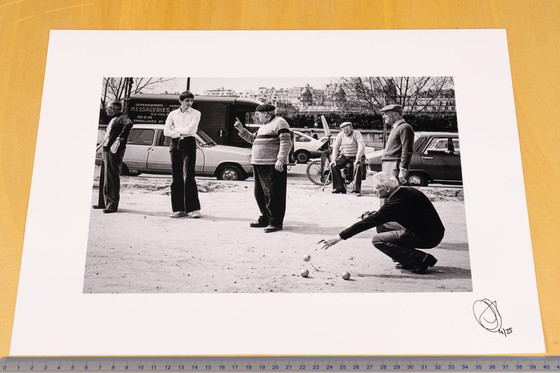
181	125
348	147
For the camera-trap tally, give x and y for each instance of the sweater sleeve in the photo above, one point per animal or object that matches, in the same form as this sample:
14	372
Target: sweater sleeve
247	136
127	126
386	213
285	142
407	140
361	145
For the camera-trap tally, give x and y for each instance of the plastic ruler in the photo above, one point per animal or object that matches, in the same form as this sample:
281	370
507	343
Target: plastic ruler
280	364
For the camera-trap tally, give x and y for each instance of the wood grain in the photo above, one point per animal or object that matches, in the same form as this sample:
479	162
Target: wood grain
533	33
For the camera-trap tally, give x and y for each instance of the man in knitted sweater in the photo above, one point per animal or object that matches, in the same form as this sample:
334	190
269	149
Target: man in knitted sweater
269	157
348	147
398	150
407	221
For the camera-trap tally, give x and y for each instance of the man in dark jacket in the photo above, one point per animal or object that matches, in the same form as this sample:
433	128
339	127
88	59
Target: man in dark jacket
114	146
398	150
407	221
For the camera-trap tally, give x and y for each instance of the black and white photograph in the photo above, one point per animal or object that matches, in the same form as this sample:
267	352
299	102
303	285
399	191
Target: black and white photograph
335	192
233	223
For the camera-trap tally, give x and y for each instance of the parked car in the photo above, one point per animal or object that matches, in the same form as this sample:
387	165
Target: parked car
305	147
147	151
436	157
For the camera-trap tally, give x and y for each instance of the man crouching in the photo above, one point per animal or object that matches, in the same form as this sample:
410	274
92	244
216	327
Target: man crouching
407	221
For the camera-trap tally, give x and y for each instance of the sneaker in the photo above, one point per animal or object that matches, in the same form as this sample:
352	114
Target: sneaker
194	214
178	214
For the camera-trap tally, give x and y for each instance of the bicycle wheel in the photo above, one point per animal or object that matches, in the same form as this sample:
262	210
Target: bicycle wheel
314	173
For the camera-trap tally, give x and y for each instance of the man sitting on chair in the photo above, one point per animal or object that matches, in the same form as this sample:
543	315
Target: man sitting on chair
348	147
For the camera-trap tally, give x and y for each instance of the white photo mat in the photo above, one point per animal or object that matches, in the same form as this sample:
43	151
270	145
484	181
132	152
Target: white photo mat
54	316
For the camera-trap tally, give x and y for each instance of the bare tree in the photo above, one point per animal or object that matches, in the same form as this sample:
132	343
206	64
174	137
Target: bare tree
121	88
415	94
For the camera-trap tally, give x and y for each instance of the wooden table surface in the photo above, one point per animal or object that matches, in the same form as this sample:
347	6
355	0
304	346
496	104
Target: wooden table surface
533	30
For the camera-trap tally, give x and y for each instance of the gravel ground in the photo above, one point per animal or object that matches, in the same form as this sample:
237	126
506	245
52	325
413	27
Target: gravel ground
141	250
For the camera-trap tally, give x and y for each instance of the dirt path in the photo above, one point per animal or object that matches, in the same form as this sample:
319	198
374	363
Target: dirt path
141	250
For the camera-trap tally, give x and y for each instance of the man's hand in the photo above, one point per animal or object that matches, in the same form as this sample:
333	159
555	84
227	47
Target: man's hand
116	145
328	243
403	173
366	214
238	125
279	166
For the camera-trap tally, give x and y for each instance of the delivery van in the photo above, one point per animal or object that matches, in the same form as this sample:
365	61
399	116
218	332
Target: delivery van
218	113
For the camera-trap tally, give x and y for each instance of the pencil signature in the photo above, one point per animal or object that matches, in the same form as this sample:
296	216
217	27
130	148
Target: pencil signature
487	314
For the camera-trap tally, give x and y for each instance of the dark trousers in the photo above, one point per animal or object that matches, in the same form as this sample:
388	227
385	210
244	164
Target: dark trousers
400	244
270	193
338	181
184	191
109	179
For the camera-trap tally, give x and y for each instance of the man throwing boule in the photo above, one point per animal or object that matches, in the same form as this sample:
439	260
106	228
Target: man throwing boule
406	222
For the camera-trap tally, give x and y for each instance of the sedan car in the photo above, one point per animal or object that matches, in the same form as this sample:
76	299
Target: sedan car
147	150
435	158
305	147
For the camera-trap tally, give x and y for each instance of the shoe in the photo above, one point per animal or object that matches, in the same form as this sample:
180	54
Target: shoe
336	191
258	224
404	266
109	211
98	207
357	193
194	214
178	214
272	228
429	261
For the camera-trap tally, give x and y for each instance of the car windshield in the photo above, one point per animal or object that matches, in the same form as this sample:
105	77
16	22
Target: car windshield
204	138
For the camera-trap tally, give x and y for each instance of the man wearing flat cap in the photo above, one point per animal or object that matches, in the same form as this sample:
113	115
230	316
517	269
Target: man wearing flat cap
348	147
398	150
269	157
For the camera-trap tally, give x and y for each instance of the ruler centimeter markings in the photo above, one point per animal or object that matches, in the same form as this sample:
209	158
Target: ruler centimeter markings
280	364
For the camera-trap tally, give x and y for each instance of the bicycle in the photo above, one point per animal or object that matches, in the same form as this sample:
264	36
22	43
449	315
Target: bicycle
319	171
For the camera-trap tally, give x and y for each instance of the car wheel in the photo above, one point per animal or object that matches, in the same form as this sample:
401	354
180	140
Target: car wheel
124	170
230	172
302	156
417	180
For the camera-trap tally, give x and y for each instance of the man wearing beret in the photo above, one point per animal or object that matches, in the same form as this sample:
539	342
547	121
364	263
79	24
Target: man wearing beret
348	147
398	150
269	157
114	146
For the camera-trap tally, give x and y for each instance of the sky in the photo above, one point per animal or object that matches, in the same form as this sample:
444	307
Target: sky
200	85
